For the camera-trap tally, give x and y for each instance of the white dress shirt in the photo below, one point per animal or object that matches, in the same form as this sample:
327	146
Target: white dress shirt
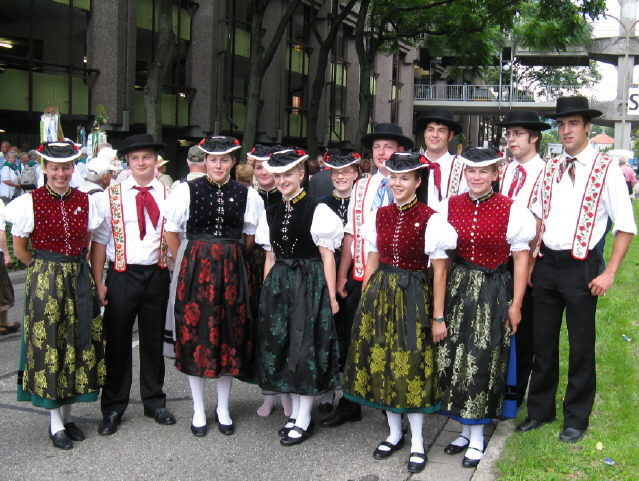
566	202
445	164
142	252
533	168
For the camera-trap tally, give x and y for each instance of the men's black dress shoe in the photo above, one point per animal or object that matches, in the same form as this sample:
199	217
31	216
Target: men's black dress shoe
161	415
226	429
304	435
283	431
338	418
453	449
61	440
199	431
74	432
571	435
386	453
472	463
417	466
325	408
109	424
529	424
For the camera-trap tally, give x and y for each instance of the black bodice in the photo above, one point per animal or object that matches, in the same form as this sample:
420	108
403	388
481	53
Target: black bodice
270	197
290	227
217	211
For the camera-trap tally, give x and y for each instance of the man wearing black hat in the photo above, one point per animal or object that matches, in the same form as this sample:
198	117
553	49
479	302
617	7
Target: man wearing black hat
137	283
446	170
578	192
519	180
368	194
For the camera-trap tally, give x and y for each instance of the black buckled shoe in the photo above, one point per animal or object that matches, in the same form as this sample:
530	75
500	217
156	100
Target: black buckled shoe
61	440
226	429
386	453
571	435
472	463
160	415
453	449
199	431
74	432
529	424
109	424
417	466
283	431
304	435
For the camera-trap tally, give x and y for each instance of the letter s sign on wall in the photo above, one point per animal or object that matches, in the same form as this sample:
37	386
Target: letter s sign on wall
633	101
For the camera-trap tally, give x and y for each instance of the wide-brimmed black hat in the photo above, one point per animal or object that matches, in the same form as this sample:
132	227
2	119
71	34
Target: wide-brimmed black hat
59	151
401	162
263	152
441	116
480	157
388	131
219	145
575	105
284	160
339	161
523	118
139	142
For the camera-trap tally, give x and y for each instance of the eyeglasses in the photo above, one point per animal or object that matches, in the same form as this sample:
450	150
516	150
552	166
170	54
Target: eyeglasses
514	133
337	173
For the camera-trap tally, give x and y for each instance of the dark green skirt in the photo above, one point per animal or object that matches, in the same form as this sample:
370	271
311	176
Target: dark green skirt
297	342
54	369
382	369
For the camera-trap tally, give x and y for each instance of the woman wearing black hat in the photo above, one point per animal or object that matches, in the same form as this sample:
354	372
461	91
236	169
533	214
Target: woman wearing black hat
391	360
297	342
213	322
482	308
62	353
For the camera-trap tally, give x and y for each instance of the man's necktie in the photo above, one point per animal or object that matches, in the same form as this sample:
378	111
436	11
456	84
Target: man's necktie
518	181
436	170
567	165
143	200
382	192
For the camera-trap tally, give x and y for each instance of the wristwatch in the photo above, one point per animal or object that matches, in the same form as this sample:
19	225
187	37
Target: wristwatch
438	319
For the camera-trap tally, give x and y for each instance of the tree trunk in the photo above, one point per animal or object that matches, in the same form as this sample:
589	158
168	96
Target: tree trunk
364	58
162	61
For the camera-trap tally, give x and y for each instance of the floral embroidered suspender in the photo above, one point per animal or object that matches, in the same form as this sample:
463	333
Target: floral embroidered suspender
456	171
361	190
119	234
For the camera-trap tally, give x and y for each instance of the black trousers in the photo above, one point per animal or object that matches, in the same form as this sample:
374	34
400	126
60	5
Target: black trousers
561	284
140	292
524	341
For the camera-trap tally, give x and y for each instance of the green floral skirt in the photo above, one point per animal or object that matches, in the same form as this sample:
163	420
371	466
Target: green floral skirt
382	370
54	369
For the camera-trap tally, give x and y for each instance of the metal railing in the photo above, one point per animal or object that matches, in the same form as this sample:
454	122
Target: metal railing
491	93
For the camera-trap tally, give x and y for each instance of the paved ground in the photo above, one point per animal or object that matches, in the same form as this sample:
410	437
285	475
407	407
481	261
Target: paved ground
143	450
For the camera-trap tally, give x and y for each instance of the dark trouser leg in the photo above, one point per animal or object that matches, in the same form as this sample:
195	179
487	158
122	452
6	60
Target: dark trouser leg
119	317
524	346
151	316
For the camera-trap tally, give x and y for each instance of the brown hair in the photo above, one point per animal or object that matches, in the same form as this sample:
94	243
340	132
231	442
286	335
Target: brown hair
244	174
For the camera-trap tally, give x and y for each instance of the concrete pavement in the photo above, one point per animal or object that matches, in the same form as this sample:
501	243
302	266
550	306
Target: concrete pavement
142	449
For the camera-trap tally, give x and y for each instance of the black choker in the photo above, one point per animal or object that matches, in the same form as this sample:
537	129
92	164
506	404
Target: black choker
483	198
56	195
297	198
407	206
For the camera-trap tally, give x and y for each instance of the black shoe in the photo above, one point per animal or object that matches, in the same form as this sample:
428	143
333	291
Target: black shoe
304	435
161	415
471	463
74	432
571	435
529	424
386	453
226	429
109	424
61	440
199	431
283	431
417	466
338	418
453	449
324	407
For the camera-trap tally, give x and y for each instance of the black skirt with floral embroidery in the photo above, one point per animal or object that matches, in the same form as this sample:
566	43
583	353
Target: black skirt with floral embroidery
213	322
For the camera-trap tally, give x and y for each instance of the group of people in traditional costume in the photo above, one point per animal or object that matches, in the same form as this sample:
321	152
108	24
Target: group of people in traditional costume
403	289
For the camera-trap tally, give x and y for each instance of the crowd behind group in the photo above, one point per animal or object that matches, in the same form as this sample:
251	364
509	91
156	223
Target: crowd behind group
403	288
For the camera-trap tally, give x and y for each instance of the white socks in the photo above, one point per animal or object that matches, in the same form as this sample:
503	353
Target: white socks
223	395
395	427
416	421
197	393
464	437
476	442
56	420
303	418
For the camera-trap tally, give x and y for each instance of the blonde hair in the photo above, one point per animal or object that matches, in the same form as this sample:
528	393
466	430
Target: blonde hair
244	174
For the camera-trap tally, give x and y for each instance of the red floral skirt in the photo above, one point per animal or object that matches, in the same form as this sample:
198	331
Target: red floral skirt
213	322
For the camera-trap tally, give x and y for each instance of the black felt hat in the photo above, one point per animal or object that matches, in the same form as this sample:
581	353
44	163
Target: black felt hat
139	142
480	157
401	162
441	116
339	161
523	118
575	105
59	151
263	152
388	131
284	160
219	145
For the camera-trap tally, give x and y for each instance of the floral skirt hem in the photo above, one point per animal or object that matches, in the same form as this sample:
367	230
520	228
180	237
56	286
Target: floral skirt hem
365	402
465	421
